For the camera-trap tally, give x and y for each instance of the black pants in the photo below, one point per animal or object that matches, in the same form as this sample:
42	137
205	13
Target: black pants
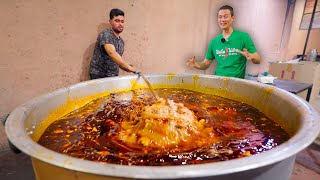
96	76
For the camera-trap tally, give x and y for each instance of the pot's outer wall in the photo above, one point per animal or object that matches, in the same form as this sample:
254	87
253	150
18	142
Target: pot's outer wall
294	114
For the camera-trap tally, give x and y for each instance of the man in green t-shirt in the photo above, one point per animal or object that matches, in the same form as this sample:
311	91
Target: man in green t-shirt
231	49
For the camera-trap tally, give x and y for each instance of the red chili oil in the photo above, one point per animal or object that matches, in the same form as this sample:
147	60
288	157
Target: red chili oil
91	132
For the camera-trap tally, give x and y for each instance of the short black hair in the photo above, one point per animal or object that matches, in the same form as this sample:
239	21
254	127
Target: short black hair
227	7
115	12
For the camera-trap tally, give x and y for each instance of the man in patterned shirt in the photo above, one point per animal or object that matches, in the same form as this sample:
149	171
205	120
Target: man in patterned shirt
107	56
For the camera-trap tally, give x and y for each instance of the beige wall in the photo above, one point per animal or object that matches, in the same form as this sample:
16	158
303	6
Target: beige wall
47	44
297	37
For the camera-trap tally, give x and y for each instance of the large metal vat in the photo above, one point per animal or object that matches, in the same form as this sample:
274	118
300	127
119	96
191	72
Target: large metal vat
294	114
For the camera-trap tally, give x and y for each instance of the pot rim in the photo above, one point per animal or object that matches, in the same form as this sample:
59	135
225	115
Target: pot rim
306	134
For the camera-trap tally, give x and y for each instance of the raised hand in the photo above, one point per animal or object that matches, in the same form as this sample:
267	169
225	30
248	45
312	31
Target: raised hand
245	53
191	62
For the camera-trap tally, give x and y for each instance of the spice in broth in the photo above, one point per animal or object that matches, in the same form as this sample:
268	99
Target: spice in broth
182	127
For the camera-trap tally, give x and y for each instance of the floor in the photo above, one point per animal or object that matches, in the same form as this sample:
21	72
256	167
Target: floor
18	166
307	166
15	166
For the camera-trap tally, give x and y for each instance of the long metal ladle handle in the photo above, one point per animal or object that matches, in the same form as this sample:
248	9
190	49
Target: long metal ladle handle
145	80
148	83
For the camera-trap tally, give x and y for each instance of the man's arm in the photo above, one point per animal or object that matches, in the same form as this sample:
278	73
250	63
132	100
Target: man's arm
199	65
111	50
255	58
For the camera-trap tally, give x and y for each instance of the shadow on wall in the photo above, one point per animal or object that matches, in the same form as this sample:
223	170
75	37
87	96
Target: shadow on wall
87	55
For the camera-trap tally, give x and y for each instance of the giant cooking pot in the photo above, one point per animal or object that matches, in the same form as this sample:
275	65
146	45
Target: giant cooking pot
26	123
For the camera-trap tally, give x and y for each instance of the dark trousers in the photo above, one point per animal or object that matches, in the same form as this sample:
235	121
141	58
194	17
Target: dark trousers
95	76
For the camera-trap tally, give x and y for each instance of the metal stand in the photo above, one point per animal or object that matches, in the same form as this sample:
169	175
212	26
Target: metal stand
310	26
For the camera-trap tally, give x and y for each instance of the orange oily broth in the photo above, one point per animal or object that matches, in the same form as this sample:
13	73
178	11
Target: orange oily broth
229	130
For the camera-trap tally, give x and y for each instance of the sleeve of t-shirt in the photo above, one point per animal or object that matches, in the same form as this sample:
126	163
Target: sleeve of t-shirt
105	38
249	44
209	54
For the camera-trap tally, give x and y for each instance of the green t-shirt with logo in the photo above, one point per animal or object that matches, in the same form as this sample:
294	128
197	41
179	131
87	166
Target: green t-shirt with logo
230	63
